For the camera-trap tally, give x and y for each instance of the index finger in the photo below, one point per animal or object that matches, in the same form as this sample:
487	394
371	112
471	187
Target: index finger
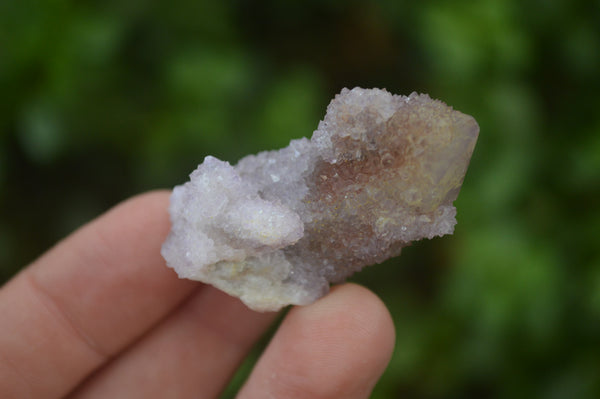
87	299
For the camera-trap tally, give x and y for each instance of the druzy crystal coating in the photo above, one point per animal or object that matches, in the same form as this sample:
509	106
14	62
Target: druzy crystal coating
380	171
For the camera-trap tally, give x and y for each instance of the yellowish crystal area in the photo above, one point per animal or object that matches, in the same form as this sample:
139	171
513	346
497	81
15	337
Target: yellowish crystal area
253	281
390	186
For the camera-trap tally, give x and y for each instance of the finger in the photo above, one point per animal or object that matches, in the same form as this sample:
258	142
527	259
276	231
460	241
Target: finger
335	348
192	354
86	299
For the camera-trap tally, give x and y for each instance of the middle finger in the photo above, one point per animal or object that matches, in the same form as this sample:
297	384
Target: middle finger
193	353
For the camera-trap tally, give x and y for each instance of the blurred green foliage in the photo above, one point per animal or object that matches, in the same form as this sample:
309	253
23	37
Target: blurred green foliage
102	100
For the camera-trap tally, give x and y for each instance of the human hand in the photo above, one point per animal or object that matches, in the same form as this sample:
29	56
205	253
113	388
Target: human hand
100	316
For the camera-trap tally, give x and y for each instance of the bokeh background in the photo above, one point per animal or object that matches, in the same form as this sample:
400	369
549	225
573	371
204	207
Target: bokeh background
103	100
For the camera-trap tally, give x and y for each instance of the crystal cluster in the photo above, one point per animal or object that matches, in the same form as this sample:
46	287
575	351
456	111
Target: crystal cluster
380	171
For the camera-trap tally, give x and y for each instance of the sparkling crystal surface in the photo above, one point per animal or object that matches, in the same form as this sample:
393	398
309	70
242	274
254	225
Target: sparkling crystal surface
380	171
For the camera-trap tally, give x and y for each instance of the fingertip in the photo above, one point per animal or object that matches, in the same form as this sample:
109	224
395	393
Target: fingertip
143	211
351	307
354	315
336	347
155	198
370	311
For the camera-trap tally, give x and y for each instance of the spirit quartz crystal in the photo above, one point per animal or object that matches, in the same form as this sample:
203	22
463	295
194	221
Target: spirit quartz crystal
380	171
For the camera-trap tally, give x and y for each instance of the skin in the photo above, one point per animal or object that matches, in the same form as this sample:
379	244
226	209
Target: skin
100	316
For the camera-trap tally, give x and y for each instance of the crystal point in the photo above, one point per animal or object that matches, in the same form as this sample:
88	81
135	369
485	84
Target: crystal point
380	171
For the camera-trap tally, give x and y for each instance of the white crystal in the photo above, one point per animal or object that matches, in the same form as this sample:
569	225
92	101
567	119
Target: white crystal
379	172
